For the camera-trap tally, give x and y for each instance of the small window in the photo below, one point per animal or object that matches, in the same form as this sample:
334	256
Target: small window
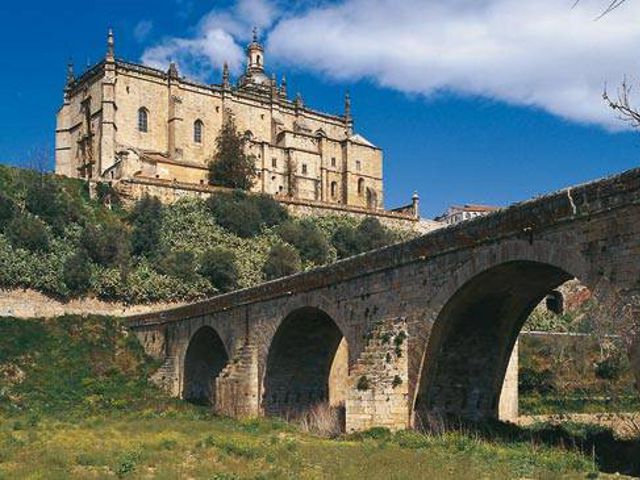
358	165
333	161
197	131
262	116
274	162
143	120
360	186
334	189
304	168
258	58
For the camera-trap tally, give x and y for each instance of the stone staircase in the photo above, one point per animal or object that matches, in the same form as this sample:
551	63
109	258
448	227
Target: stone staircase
166	377
237	384
378	390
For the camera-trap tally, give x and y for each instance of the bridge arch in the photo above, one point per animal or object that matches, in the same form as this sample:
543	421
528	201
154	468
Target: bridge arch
204	359
473	336
307	364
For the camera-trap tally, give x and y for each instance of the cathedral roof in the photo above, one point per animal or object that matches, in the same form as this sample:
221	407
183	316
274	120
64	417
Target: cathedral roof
357	138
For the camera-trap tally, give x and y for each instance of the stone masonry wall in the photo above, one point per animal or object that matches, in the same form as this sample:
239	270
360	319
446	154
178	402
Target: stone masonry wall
378	393
591	232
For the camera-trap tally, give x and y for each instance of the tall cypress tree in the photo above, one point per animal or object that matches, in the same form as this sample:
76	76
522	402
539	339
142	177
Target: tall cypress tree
231	167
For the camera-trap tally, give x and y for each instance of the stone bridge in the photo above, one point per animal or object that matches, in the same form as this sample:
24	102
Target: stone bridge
424	326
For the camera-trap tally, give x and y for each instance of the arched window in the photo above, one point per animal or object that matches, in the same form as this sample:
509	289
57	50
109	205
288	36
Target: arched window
197	131
258	60
334	189
143	120
360	186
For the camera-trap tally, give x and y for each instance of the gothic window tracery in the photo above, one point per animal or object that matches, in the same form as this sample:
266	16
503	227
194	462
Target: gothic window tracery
198	127
143	120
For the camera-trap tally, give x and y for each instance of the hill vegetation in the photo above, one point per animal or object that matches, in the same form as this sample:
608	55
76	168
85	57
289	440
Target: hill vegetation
55	239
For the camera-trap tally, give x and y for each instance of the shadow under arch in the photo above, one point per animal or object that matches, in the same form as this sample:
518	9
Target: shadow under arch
205	358
307	364
473	336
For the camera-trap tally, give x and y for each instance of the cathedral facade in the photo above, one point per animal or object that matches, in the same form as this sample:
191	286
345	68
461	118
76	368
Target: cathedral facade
122	120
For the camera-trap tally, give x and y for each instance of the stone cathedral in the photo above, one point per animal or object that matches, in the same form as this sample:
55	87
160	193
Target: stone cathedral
125	121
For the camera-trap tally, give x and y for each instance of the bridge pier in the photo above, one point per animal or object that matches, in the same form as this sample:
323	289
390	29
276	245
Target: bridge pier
378	394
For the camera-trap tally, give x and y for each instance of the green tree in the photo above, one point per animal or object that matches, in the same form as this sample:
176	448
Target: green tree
372	234
46	199
26	231
8	211
368	235
77	272
346	241
219	266
179	264
271	212
231	167
107	245
308	240
146	222
236	213
283	260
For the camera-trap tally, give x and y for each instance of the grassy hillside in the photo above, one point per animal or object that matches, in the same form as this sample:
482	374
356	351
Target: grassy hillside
55	239
74	403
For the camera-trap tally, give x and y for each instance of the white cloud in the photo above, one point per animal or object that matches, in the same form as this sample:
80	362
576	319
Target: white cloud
142	30
220	37
539	53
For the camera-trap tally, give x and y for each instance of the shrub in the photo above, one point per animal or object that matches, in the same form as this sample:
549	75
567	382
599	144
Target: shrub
146	220
7	211
77	272
372	234
308	240
179	264
610	368
218	265
240	217
46	199
271	212
346	241
28	232
368	235
107	244
531	380
283	260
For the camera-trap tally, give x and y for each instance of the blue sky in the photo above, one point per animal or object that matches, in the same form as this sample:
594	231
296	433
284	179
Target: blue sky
471	102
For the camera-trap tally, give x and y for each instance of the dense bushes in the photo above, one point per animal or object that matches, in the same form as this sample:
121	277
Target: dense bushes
28	232
283	260
194	248
218	265
308	239
245	215
368	235
146	223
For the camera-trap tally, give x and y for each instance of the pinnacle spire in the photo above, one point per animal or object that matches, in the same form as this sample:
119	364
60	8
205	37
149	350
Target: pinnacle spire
110	46
70	74
348	117
225	75
255	34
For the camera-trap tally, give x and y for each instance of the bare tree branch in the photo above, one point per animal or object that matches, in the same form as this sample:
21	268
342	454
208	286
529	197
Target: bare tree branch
613	4
622	104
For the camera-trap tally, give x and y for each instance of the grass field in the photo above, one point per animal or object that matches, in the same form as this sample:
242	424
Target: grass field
75	403
195	445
